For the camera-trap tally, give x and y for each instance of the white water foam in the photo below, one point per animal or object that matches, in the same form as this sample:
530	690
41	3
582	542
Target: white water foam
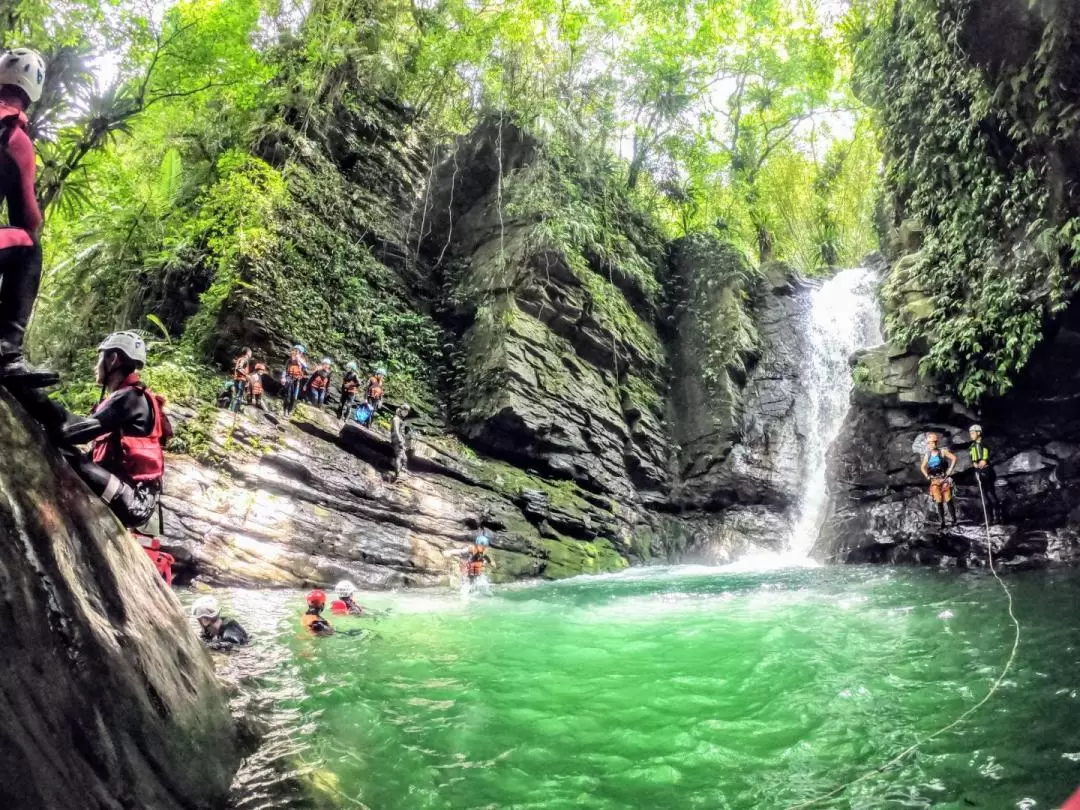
844	317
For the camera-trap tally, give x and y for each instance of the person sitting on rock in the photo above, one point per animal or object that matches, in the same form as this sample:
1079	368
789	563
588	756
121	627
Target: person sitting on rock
350	384
218	633
241	370
375	390
292	378
344	604
312	620
399	441
937	467
22	78
255	386
319	383
984	471
128	430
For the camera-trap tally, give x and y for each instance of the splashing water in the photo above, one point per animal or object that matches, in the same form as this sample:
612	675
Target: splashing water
844	317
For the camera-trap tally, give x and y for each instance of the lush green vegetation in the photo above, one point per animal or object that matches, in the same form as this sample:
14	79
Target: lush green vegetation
237	170
980	113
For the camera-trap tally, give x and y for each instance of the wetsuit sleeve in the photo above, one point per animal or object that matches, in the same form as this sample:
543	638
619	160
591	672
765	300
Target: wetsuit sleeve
23	209
234	634
130	409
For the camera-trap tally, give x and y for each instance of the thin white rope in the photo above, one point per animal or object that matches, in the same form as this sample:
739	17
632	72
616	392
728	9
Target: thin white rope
986	698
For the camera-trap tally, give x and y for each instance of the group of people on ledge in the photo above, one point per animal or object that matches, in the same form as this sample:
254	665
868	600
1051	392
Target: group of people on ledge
937	467
301	381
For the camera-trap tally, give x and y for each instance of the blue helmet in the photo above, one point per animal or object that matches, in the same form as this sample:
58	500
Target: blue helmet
300	348
380	372
350	366
482	540
326	360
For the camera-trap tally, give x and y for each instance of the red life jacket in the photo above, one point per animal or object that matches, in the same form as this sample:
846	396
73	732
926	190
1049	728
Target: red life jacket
375	388
475	564
255	381
337	606
240	368
350	384
319	381
140	457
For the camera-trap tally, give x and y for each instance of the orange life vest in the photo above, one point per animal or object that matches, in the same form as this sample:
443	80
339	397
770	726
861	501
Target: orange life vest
240	368
319	381
350	384
294	369
476	561
142	458
255	382
375	388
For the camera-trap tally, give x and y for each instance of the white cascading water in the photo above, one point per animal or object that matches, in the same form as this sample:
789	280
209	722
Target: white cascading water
843	318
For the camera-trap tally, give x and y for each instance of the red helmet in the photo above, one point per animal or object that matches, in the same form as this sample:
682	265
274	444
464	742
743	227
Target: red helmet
316	598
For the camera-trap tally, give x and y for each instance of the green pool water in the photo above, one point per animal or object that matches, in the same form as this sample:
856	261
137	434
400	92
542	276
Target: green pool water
672	688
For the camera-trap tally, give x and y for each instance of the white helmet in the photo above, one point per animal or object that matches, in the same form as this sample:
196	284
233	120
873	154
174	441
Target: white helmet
25	69
130	344
345	589
975	429
205	607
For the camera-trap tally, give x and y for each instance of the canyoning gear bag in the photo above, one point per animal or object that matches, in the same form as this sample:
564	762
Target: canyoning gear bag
363	413
142	458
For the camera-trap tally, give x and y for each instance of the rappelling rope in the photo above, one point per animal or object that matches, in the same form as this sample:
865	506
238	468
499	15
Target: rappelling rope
986	698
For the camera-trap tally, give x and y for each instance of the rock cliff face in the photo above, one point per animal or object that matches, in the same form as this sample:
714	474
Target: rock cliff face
106	698
880	510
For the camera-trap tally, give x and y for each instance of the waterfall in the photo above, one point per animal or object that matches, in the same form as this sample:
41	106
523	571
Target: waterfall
843	317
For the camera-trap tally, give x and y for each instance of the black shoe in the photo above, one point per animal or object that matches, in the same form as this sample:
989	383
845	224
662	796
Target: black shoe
16	371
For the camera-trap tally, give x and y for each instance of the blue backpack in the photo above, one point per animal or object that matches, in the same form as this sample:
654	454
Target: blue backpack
363	413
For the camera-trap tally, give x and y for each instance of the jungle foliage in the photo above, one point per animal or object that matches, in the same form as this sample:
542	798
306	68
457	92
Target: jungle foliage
979	109
207	156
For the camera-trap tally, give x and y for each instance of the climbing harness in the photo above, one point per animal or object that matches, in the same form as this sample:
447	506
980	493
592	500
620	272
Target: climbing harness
986	698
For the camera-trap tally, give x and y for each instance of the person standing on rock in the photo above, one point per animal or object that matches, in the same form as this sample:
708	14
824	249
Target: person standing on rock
350	384
241	370
292	378
375	390
399	441
319	383
255	386
937	468
22	77
217	632
984	471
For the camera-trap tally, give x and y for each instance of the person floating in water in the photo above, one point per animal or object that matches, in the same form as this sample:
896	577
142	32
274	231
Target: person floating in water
219	633
312	620
937	468
399	441
350	384
292	378
984	471
241	371
22	78
476	560
344	604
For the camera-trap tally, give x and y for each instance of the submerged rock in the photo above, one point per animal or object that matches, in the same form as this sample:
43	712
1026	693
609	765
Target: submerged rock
107	699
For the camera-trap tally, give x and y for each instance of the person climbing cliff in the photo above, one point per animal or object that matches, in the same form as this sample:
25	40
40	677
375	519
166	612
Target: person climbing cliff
219	633
375	389
399	441
319	383
312	620
22	76
350	384
255	386
984	471
937	468
241	370
128	430
292	378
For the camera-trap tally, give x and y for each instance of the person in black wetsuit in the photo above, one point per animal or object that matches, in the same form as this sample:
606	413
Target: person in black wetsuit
128	430
350	384
22	77
984	472
219	633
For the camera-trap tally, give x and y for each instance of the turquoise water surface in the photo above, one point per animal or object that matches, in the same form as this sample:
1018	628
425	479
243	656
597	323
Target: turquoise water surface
669	688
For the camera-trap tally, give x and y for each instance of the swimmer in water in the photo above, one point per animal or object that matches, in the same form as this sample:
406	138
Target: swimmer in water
312	620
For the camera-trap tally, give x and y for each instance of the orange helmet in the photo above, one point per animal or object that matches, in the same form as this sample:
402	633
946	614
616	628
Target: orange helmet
316	598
